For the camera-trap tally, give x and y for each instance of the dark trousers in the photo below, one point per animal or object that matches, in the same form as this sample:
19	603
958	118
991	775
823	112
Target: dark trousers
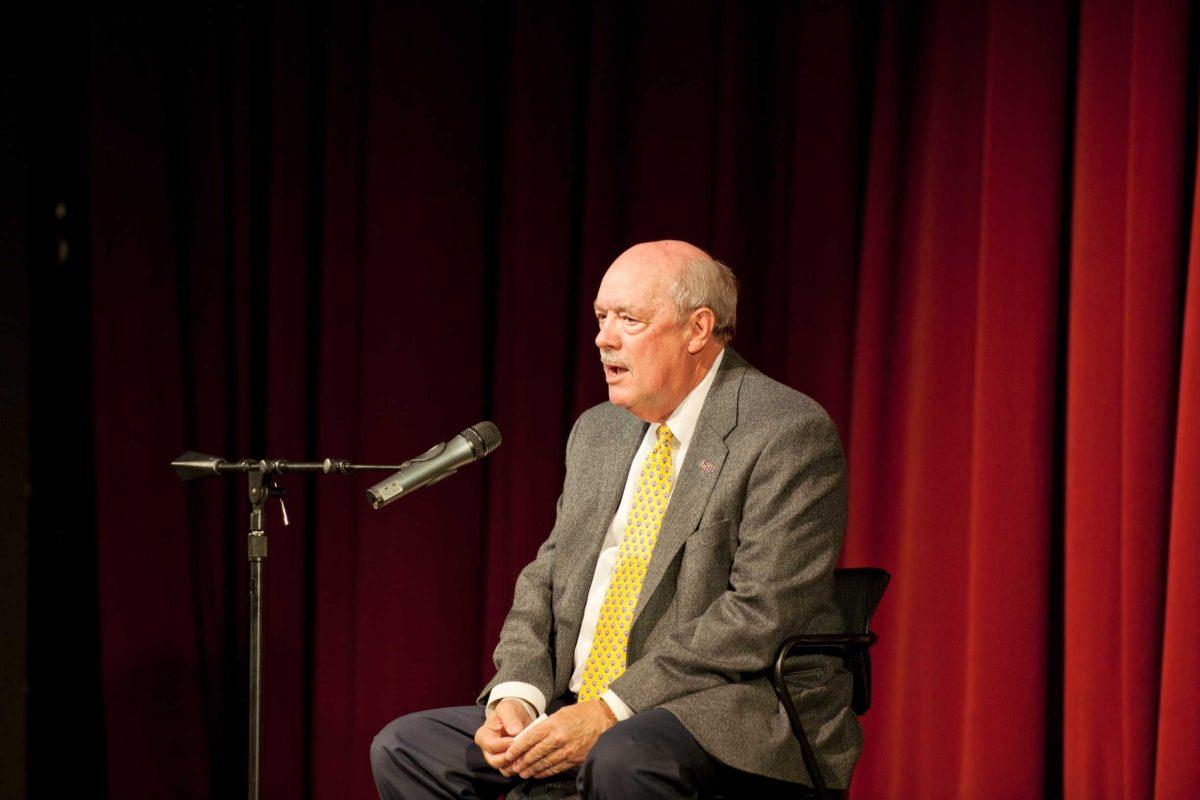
432	754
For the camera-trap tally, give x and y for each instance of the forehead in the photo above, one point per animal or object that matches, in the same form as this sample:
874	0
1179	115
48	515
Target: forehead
633	285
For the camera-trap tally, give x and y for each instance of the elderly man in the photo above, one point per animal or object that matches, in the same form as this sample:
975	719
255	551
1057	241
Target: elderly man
699	522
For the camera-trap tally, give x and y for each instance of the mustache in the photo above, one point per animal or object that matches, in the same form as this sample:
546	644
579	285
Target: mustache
611	360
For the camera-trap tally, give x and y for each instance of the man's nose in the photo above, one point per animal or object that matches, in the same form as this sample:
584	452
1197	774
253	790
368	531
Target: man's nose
605	339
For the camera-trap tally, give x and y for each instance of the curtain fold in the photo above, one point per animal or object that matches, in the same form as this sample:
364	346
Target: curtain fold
1177	750
350	230
1127	259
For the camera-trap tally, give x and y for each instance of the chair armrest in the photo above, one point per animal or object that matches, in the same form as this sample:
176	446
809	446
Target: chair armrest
847	643
842	643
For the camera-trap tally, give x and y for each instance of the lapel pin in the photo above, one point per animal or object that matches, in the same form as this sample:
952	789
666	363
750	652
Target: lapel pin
708	466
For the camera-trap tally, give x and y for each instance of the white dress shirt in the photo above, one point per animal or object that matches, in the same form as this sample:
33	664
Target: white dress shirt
682	423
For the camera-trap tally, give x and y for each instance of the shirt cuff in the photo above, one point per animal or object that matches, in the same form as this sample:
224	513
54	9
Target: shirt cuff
619	709
519	690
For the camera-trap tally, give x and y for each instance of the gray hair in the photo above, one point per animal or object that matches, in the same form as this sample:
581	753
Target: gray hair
707	283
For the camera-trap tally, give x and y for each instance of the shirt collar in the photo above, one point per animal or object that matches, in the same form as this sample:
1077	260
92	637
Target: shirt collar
683	419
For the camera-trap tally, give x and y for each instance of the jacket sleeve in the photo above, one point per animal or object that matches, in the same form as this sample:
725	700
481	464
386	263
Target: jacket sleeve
792	525
525	651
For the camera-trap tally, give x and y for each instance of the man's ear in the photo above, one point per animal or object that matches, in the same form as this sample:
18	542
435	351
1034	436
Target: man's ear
700	329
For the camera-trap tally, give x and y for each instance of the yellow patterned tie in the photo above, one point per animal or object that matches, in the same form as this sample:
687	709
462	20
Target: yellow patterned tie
606	660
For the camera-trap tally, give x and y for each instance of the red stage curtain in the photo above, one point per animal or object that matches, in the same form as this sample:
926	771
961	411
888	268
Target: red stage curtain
953	431
350	230
1131	191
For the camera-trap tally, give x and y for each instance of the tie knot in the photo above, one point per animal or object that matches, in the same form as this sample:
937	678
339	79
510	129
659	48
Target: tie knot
664	434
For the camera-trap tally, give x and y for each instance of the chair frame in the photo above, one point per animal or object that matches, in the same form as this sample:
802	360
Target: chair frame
843	644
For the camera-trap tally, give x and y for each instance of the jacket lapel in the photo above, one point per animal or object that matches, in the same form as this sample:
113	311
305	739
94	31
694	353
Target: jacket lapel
615	468
693	485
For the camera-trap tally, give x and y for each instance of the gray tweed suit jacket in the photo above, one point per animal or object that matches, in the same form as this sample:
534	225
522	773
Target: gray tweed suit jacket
744	559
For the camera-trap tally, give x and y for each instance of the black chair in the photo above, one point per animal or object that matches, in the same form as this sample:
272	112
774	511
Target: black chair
857	592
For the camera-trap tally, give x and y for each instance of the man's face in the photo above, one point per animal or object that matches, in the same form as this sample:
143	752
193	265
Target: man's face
643	347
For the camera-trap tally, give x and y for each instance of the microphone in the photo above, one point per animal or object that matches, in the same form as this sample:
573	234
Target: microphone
438	462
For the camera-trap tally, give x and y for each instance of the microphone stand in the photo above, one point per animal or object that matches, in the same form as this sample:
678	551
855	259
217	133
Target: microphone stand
263	483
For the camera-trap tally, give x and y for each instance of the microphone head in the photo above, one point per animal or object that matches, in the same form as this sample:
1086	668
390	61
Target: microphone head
192	465
484	438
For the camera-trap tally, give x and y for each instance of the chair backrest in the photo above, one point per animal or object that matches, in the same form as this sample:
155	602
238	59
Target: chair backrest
857	592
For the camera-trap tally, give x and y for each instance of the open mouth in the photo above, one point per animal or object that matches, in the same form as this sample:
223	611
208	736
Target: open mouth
612	371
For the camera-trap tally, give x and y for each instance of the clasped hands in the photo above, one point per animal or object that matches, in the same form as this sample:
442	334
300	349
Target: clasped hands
559	743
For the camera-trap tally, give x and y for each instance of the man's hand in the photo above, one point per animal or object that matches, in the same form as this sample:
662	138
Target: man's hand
562	741
495	735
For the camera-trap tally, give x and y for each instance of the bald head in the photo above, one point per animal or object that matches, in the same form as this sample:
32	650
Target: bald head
692	279
665	310
666	256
